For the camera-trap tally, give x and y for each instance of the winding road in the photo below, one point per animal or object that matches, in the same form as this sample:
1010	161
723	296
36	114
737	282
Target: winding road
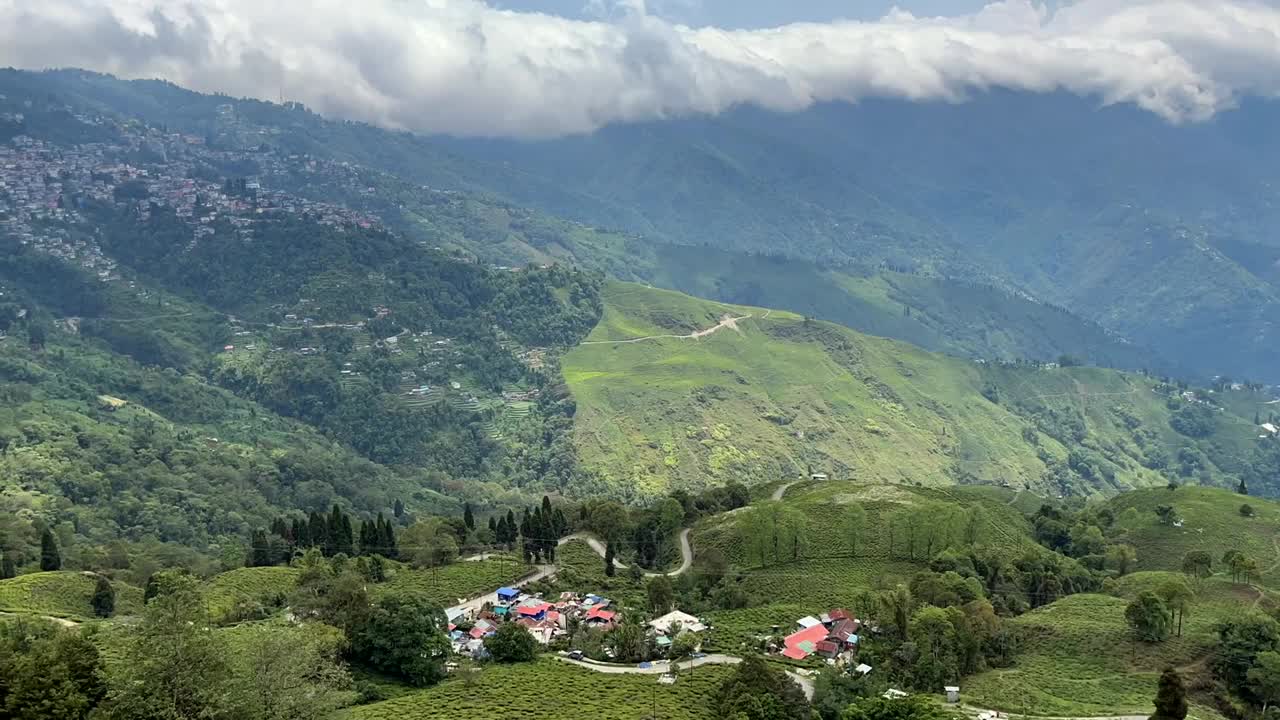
686	552
782	490
726	321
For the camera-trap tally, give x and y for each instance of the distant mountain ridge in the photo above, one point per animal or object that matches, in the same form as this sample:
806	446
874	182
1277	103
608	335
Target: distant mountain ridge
430	193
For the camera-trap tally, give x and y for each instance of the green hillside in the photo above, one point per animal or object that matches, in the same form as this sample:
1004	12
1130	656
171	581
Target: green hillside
63	594
1211	521
774	395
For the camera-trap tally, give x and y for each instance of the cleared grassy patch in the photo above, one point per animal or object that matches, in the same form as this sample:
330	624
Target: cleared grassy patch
65	594
553	690
451	583
225	590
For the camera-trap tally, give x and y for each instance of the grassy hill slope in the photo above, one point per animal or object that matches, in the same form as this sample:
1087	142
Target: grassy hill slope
1211	521
63	594
775	395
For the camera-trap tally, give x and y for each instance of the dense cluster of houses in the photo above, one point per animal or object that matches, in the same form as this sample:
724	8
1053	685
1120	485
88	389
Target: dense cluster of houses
43	186
544	619
832	635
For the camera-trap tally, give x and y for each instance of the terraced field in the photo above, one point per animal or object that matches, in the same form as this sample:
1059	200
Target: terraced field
552	690
446	585
225	590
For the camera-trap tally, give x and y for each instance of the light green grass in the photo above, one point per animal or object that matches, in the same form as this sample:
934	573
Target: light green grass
451	583
552	690
64	594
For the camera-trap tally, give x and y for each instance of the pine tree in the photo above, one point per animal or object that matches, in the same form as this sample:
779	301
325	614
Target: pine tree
8	568
259	550
608	560
561	524
1242	488
398	510
50	558
468	518
104	598
346	545
389	541
316	531
512	528
1171	697
333	536
501	531
493	527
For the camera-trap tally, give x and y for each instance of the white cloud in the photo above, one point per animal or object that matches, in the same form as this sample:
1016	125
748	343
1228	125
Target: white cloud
459	66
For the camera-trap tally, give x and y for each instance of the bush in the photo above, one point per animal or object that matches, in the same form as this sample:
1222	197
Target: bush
1246	510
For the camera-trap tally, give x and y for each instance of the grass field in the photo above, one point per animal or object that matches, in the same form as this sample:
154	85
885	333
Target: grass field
448	584
1211	522
551	690
778	395
1078	657
64	594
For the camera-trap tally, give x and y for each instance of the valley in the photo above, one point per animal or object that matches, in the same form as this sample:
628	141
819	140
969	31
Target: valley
376	425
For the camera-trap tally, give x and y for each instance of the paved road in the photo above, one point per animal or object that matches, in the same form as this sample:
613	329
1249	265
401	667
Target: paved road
686	552
661	667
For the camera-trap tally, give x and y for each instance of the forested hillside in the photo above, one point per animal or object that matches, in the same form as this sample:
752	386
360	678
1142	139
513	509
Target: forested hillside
960	300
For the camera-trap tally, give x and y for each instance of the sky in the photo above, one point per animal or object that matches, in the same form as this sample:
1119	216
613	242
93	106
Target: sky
546	68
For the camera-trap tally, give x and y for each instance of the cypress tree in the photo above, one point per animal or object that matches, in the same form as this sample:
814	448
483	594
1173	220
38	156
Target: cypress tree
1242	488
500	532
346	543
316	530
333	538
399	508
260	554
104	598
1171	697
561	523
8	568
493	528
468	518
608	560
512	528
50	558
389	541
366	541
546	507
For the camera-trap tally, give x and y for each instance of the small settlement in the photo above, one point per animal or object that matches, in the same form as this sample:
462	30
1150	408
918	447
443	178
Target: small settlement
832	636
548	620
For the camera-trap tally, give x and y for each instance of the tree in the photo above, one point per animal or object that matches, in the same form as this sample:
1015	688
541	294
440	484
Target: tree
1246	510
1242	487
934	636
855	519
50	558
430	543
511	643
174	664
1122	557
287	672
1240	640
8	568
468	518
404	636
1197	564
1264	678
1177	597
1148	617
756	691
1171	697
104	598
1167	514
661	595
609	568
48	672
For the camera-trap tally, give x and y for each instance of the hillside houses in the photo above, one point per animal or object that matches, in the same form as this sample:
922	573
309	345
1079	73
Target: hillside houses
833	636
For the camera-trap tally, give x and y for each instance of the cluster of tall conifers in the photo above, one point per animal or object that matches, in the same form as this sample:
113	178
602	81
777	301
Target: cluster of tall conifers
332	533
541	527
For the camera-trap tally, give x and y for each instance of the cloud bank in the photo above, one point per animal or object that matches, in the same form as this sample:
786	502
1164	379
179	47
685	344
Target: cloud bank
462	67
